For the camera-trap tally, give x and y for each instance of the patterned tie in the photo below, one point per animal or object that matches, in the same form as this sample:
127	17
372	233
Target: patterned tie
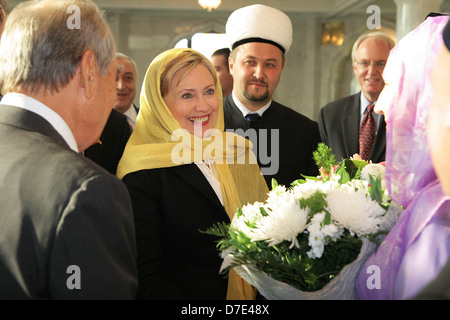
252	117
367	133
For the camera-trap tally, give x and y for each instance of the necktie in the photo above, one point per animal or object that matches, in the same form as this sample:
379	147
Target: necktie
252	117
367	133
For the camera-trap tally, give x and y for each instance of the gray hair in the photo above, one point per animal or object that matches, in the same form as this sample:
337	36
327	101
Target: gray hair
120	55
39	50
372	34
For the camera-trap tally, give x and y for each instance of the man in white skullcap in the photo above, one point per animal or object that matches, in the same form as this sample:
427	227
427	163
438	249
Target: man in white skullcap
284	140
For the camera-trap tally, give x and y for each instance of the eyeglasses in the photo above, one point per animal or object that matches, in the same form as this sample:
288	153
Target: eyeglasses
366	64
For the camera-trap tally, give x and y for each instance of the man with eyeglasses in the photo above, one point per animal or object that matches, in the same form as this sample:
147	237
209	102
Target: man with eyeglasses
342	122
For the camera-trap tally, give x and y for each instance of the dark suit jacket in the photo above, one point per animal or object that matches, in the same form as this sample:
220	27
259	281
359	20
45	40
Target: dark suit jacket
113	140
339	123
59	209
176	260
289	145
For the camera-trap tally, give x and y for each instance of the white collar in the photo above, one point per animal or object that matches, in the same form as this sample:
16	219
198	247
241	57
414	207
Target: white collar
28	103
131	113
245	110
364	103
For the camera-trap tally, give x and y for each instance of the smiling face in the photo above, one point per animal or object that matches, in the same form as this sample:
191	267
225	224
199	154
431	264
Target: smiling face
256	69
193	100
368	66
125	85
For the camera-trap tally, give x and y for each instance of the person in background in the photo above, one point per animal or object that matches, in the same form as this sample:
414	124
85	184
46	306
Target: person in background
341	122
284	139
67	227
109	148
126	88
184	174
418	246
219	60
438	133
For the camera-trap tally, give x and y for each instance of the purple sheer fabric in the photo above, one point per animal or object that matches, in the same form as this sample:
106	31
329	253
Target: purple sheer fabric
418	246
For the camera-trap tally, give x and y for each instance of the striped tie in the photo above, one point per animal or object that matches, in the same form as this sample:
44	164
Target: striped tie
367	133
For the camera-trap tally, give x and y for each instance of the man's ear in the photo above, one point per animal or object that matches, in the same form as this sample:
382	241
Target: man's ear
230	65
88	68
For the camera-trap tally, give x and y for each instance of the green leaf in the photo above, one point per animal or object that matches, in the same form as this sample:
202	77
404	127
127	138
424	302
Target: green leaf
324	157
219	229
327	218
274	183
263	212
375	190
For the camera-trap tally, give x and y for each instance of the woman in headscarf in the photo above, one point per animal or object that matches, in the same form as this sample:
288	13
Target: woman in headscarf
184	173
418	246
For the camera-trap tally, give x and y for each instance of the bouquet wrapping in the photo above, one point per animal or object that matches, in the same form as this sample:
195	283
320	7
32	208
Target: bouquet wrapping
309	240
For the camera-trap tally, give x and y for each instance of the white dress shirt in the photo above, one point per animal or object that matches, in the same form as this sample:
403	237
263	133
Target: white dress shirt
209	171
28	103
131	115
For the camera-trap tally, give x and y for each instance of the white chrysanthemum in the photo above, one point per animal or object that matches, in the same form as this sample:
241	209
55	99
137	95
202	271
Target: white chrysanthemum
354	210
278	197
281	224
251	214
305	190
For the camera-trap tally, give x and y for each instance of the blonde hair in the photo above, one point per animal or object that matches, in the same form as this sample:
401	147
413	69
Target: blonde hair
188	59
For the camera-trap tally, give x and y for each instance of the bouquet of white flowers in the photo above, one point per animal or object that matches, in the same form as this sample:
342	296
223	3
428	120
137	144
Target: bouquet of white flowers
308	241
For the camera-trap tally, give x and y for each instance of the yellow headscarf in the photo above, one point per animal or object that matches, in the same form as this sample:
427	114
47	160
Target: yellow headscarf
158	141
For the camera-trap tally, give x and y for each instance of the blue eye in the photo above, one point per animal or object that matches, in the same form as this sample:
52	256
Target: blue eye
210	91
186	96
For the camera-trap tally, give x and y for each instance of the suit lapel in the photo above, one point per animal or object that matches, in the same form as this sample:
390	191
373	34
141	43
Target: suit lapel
379	146
194	177
233	117
350	125
29	121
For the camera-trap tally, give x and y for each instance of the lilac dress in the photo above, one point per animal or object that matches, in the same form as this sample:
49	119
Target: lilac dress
418	246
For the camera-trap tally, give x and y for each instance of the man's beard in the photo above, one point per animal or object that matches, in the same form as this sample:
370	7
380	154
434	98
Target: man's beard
256	98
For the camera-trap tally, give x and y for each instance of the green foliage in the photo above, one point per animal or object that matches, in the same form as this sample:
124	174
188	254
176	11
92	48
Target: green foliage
289	265
324	157
316	203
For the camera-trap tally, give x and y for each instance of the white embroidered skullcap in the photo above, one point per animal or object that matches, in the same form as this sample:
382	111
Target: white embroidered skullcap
259	23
